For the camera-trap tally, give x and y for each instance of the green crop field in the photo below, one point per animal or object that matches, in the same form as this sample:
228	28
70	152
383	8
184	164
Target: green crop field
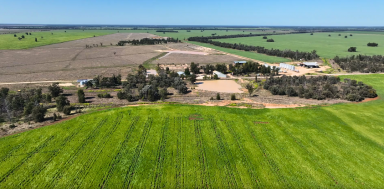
8	41
182	146
326	47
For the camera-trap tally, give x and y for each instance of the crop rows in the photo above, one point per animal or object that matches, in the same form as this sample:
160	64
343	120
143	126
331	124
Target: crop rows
92	157
135	159
225	156
45	163
36	150
161	156
118	157
250	167
314	158
205	182
59	173
271	162
180	158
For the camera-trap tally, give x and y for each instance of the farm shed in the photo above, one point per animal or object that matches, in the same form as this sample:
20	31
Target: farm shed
151	72
83	81
240	62
310	64
219	74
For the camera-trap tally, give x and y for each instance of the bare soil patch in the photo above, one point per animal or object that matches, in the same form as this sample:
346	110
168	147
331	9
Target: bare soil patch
221	86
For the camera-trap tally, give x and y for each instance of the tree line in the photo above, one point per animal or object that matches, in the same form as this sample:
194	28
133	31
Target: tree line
361	63
148	41
294	55
319	88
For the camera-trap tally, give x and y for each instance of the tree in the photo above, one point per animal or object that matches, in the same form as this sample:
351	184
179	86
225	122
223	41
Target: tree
15	35
250	88
329	35
345	36
81	96
215	77
265	37
270	40
195	68
192	78
35	39
187	72
163	93
256	78
38	113
55	89
61	101
218	96
88	84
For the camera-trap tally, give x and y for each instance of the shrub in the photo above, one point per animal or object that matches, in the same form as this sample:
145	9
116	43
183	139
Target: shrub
218	96
121	95
270	40
67	110
211	98
352	49
372	44
265	37
104	95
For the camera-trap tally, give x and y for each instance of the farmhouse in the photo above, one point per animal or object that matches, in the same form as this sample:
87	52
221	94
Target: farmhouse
310	64
219	74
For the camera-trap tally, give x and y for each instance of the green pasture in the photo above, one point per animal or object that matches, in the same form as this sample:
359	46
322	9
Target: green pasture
326	47
8	41
183	146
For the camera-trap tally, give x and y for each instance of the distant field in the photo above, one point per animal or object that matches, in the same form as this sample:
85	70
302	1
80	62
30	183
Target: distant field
8	41
327	47
253	55
193	33
182	146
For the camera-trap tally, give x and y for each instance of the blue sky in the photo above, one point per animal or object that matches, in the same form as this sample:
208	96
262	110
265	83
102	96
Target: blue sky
196	12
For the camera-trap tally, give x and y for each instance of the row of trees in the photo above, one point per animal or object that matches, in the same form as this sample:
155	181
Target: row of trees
294	55
361	63
148	41
208	38
319	88
253	67
104	82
